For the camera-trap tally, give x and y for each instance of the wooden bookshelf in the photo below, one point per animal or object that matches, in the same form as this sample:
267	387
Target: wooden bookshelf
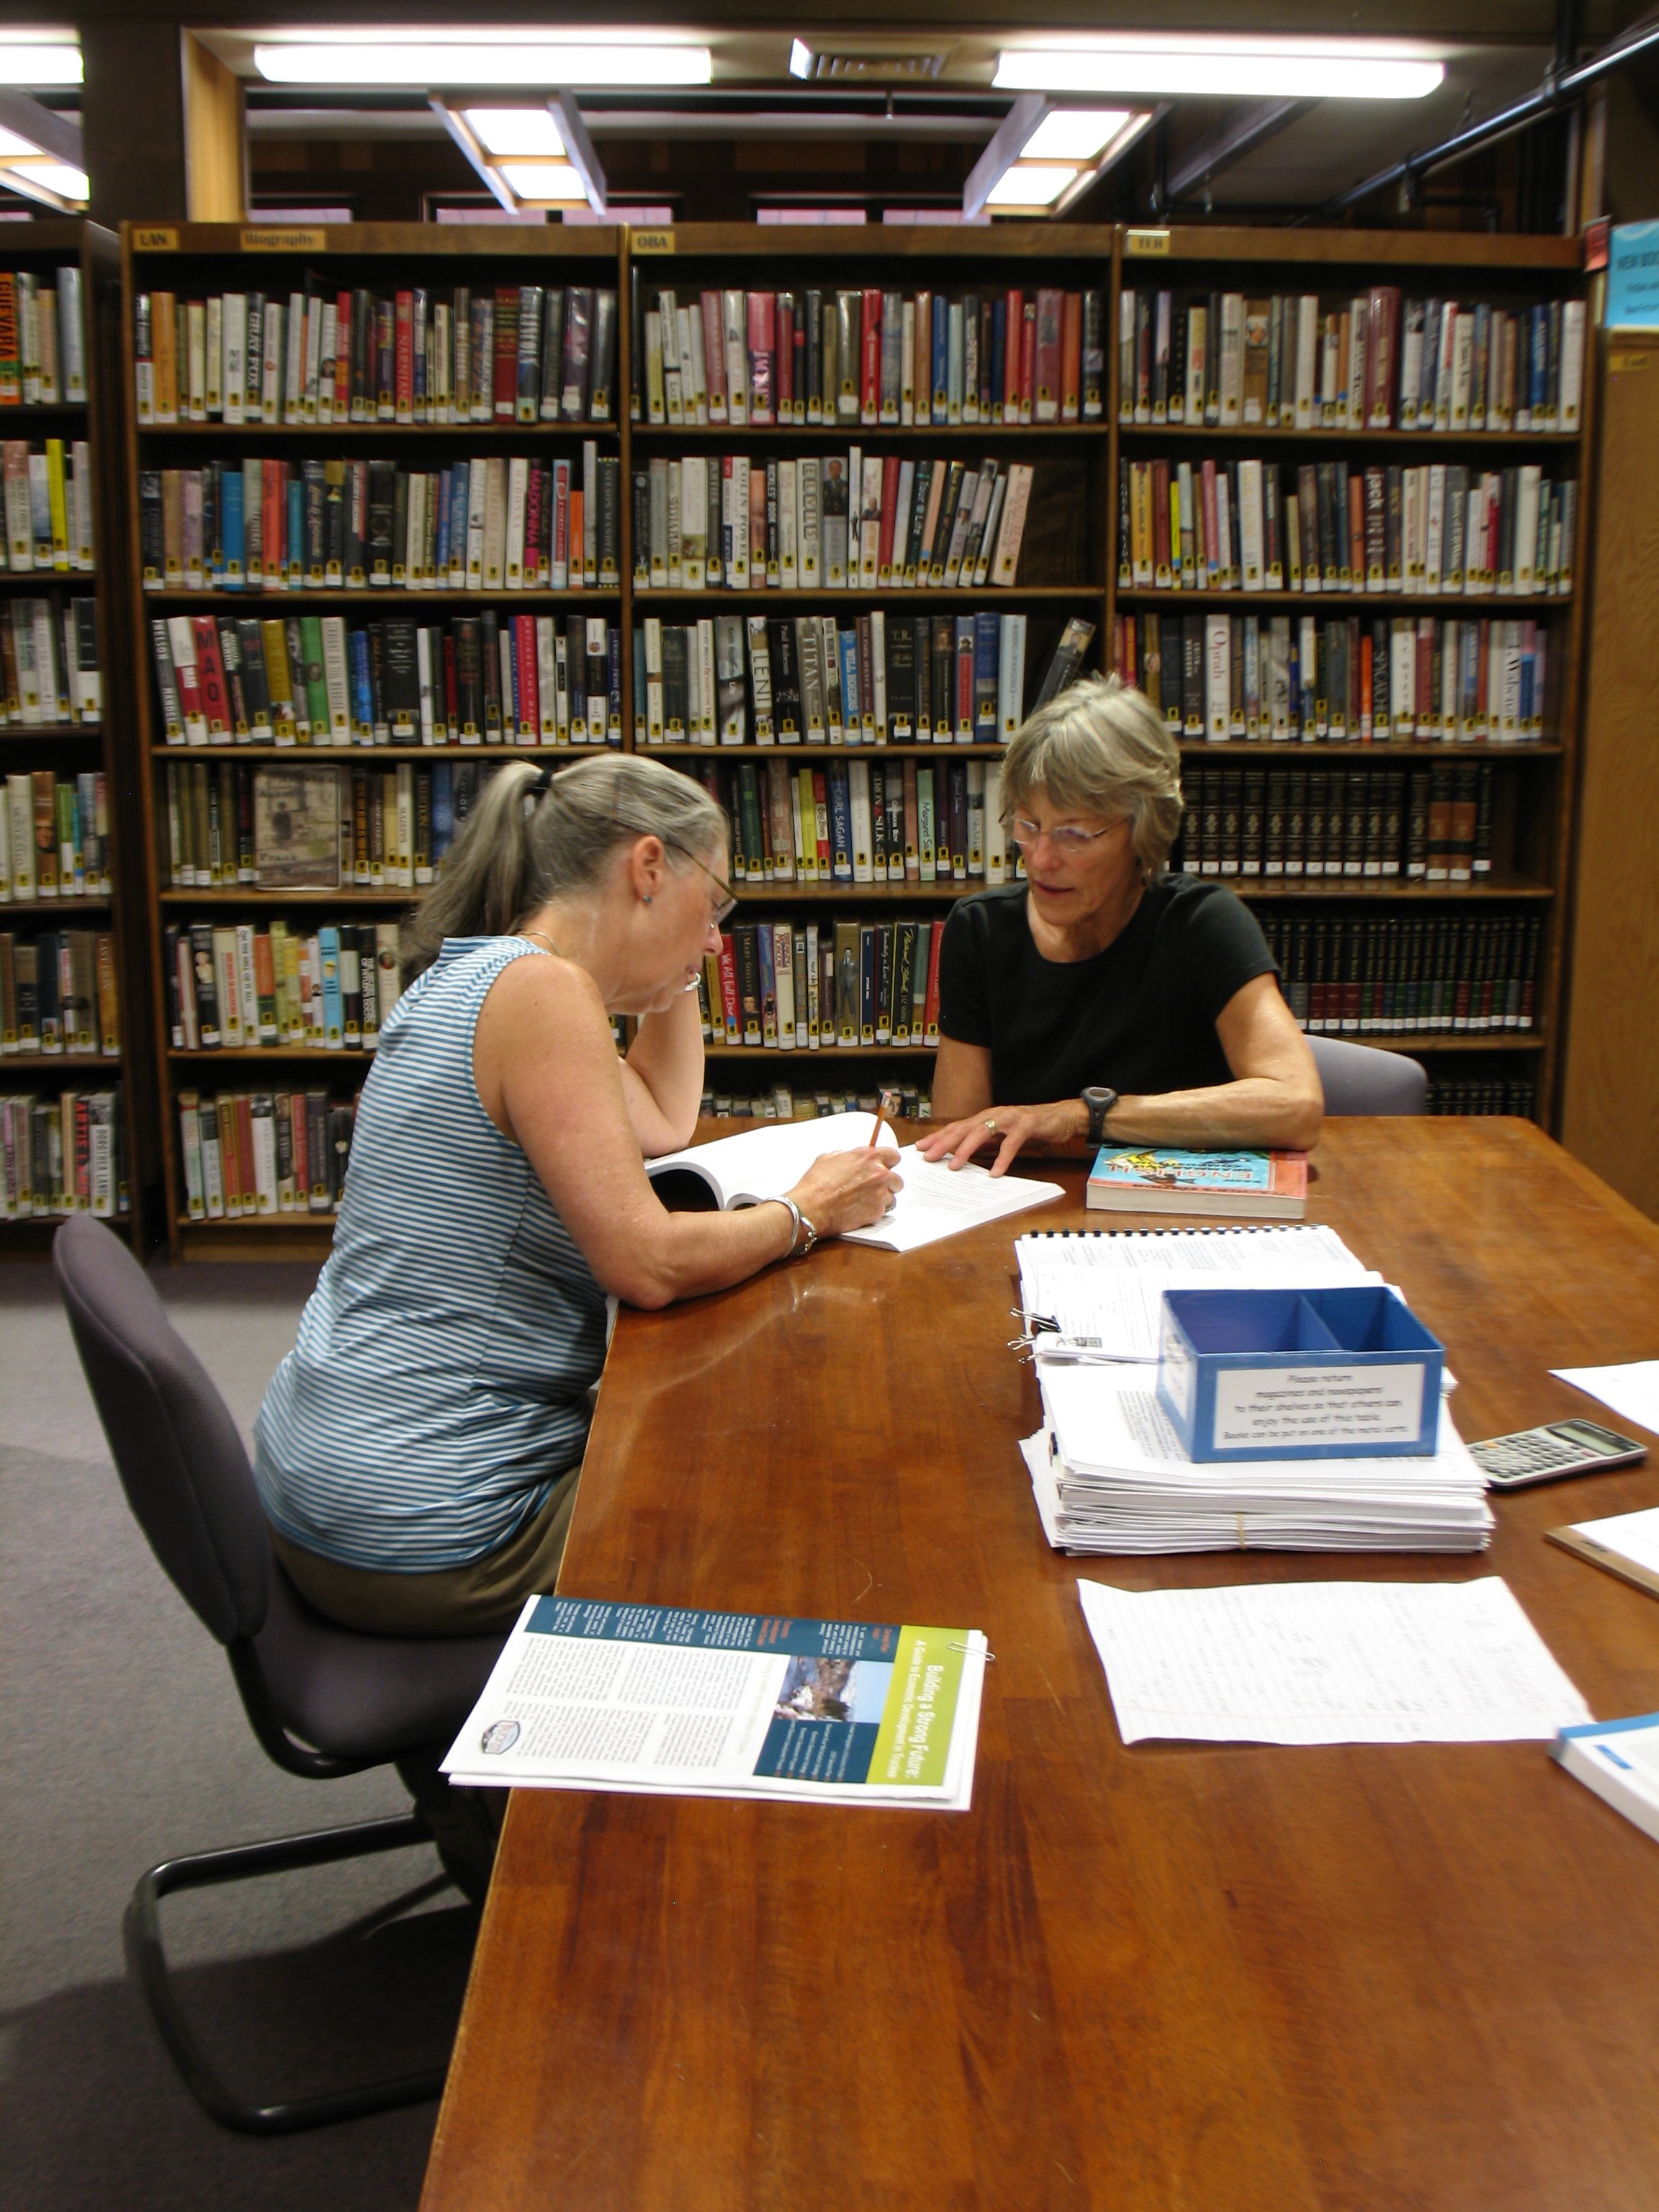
1069	566
104	745
198	260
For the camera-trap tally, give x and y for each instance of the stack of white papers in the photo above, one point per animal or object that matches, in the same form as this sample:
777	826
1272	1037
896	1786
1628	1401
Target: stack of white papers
672	1701
1328	1662
1090	1297
1110	1475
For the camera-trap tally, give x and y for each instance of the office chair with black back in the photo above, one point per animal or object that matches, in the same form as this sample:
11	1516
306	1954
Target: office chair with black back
1361	1079
323	1700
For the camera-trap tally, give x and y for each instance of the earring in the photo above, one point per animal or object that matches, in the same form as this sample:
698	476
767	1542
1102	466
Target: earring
645	898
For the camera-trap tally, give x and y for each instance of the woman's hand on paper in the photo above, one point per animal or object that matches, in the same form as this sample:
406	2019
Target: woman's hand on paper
849	1190
1008	1128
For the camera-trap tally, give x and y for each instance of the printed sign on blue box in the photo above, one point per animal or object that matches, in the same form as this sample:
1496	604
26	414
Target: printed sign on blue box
1332	1374
1633	276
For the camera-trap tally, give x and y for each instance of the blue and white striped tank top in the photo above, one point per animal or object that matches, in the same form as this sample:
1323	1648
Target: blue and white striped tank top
440	1380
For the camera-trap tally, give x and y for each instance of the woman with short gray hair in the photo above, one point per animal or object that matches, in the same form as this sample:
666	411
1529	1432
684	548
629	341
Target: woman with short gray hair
416	1451
1102	998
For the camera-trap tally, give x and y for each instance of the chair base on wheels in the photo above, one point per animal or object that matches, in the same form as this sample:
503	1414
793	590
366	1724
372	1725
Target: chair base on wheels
201	1870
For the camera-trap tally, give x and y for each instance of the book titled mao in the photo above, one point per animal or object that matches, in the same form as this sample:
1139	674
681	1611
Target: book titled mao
1235	1186
674	1701
296	829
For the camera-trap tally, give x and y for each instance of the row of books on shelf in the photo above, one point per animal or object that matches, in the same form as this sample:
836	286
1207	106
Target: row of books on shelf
57	993
252	1152
498	522
1376	361
793	987
780	1101
248	987
868	356
48	502
1483	1094
1408	974
1405	679
54	836
1433	825
863	822
509	353
43	354
316	680
62	1154
1251	526
852	521
49	664
942	679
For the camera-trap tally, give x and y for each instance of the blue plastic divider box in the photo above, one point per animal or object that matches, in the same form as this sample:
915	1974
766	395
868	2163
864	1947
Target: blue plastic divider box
1333	1374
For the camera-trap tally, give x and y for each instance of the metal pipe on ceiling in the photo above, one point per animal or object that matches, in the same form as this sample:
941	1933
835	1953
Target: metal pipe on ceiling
1560	89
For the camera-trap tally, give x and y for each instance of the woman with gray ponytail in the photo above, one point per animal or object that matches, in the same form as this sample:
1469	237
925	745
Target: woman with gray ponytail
416	1452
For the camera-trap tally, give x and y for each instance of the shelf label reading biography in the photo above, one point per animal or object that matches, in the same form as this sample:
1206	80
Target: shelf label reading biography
311	240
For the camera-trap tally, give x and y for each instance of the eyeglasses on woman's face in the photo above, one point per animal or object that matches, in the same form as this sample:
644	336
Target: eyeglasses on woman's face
726	905
1069	839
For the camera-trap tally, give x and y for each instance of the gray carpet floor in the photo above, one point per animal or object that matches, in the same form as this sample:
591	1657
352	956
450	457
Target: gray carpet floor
124	1743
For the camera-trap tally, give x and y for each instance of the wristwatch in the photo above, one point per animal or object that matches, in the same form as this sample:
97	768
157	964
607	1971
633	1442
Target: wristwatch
803	1227
1100	1101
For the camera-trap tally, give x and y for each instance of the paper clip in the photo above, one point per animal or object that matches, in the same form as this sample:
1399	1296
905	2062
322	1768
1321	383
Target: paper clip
989	1657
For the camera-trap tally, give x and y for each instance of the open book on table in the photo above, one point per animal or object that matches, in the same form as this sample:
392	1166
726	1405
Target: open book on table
936	1202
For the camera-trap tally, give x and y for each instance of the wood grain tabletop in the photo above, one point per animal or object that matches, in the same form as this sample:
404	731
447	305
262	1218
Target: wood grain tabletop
1184	1977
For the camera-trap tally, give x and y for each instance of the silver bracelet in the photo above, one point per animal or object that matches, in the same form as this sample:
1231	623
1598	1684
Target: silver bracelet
798	1223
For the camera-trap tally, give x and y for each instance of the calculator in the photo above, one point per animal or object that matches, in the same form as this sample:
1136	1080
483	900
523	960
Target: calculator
1544	1455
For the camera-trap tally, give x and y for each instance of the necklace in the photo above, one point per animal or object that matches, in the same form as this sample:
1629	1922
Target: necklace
544	937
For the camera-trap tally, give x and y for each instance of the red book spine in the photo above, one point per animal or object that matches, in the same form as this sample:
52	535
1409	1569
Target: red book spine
535	572
273	517
1047	395
524	654
505	387
1071	358
1367	671
869	373
1011	355
763	333
210	676
341	355
930	1013
889	476
403	392
575	533
1161	545
1027	357
562	514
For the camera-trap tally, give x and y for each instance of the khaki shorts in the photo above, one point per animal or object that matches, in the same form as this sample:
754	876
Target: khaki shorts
470	1601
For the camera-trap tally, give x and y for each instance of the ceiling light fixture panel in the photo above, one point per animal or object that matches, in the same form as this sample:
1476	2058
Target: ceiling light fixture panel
480	58
40	62
1231	68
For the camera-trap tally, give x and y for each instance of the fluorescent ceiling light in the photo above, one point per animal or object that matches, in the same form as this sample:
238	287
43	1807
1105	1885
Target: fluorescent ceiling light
516	131
544	180
11	144
1034	184
34	63
1074	134
54	184
1231	68
800	59
479	58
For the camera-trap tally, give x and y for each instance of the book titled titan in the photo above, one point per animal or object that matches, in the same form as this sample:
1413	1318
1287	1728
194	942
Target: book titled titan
1232	1186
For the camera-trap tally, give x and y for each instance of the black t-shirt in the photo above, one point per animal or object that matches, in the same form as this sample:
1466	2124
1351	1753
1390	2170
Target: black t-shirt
1140	1017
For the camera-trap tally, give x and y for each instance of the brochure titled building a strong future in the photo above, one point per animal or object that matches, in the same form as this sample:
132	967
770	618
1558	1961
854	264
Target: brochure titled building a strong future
591	1694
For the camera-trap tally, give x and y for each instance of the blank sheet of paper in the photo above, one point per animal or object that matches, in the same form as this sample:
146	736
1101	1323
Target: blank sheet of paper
1632	1388
1328	1662
1634	1536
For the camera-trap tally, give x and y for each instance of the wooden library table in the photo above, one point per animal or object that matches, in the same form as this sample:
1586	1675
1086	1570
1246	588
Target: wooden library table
1217	1977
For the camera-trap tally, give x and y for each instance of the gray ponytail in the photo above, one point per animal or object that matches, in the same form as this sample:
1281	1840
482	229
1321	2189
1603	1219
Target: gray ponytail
530	833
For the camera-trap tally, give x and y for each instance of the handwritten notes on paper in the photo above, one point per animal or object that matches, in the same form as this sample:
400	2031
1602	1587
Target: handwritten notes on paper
1328	1662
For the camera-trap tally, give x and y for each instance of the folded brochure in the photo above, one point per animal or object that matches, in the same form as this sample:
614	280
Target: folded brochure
595	1694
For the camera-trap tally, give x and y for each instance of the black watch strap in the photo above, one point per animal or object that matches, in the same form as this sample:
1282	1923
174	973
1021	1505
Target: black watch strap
1100	1101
